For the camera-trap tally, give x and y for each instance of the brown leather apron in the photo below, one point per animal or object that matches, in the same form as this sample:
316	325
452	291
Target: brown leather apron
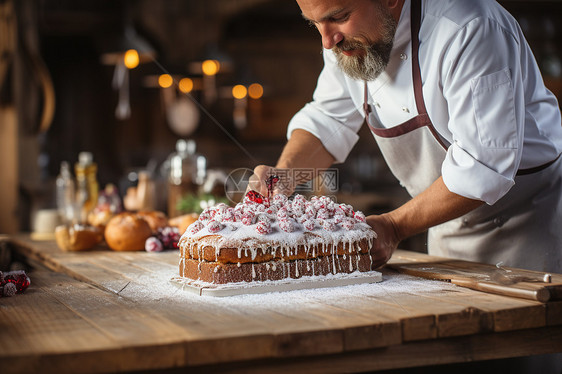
521	230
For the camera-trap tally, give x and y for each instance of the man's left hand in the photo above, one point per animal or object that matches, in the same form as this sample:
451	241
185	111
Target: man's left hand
387	239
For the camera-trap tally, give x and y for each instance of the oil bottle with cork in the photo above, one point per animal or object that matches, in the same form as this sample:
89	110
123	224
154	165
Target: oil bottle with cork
88	188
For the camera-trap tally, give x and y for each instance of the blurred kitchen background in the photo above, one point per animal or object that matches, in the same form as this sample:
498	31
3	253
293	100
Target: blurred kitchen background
217	79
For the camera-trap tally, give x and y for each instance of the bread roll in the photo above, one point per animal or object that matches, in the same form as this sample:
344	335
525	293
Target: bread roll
183	222
156	220
77	237
100	217
127	232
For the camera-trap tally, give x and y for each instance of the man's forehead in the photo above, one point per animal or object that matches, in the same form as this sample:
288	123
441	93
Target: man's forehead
318	10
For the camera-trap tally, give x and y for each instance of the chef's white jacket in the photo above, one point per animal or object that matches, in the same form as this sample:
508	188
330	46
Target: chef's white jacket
482	89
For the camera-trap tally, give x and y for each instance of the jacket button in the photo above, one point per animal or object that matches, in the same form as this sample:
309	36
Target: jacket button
403	56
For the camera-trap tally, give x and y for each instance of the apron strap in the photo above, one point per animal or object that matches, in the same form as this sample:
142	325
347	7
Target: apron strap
536	169
366	106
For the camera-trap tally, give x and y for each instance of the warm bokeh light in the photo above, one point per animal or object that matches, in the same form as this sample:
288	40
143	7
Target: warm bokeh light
131	59
255	91
210	67
239	91
165	80
185	85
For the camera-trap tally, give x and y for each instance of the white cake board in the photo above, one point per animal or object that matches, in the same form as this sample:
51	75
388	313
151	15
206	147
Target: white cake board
243	288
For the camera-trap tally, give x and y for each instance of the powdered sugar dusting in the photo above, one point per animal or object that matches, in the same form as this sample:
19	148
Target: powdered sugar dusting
156	287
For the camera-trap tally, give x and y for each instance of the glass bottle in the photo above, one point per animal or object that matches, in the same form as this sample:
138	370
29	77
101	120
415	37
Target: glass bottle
66	191
88	188
187	173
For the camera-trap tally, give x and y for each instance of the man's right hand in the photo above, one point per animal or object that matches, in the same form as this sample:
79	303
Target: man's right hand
257	181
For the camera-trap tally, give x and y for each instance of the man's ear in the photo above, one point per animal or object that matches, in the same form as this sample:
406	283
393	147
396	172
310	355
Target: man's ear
394	6
393	3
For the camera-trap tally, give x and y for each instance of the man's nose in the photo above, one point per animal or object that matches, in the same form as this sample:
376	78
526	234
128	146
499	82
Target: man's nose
330	36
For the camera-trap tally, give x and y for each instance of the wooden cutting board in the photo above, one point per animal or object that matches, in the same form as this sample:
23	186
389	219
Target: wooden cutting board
532	285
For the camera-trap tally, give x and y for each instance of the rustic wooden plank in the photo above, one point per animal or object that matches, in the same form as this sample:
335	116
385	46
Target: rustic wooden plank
133	331
498	313
39	325
351	329
9	144
422	319
412	354
130	271
203	331
484	277
419	316
554	313
239	348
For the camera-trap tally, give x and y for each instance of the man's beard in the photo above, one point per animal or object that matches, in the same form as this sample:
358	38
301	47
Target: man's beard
374	59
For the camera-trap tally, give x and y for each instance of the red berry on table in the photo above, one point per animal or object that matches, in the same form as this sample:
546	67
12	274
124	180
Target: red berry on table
152	244
18	278
9	289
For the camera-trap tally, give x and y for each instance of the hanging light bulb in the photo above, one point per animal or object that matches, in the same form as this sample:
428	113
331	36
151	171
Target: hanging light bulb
165	80
239	91
186	85
210	67
255	91
131	59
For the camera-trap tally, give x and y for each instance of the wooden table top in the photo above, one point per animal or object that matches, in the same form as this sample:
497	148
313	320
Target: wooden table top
102	311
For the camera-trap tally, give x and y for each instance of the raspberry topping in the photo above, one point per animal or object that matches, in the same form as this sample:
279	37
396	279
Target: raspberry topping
263	227
255	196
214	226
360	216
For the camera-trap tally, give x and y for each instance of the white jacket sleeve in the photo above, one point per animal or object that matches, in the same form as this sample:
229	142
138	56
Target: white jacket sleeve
332	116
483	86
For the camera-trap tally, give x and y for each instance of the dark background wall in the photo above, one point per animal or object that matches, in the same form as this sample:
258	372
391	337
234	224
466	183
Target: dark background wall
264	41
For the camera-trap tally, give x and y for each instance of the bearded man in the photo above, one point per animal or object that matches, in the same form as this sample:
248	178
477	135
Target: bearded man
457	105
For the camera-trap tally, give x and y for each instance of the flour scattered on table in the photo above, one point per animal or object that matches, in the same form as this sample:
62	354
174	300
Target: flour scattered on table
156	287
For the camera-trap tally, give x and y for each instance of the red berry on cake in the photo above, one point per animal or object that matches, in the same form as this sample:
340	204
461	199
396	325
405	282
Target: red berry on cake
348	223
279	199
263	227
329	225
254	196
248	218
360	216
323	214
214	226
195	227
309	224
272	210
205	215
287	225
263	217
228	215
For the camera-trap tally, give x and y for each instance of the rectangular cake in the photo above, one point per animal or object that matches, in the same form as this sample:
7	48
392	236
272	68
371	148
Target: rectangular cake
275	240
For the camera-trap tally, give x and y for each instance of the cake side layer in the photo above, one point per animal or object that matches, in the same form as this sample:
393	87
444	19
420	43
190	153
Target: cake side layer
269	251
219	273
